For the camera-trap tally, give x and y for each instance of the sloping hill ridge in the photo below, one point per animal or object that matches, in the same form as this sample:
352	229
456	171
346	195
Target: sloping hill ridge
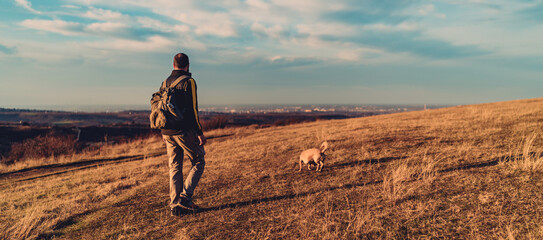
464	172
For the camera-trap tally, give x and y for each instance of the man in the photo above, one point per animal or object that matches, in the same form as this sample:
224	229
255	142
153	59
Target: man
186	137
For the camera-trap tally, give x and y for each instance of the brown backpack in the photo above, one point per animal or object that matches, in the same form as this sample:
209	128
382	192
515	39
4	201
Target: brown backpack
164	113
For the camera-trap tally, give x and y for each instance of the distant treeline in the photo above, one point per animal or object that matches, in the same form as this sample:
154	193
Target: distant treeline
24	110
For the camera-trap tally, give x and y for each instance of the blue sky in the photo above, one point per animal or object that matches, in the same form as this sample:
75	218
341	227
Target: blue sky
99	52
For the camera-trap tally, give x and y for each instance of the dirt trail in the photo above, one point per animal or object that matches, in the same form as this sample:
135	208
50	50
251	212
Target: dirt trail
61	168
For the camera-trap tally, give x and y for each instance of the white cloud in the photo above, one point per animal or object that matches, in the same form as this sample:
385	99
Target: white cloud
259	4
326	28
103	14
190	15
106	27
56	26
121	53
429	11
71	6
310	7
147	22
313	50
27	5
208	23
349	56
152	44
46	53
116	31
426	9
263	12
403	26
217	29
274	31
518	42
75	28
181	29
492	25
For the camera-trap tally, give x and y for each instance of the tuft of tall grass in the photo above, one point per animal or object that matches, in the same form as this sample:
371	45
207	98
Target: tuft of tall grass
395	181
527	158
428	169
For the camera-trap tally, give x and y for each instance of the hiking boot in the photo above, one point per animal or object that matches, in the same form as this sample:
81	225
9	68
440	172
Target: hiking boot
177	211
189	205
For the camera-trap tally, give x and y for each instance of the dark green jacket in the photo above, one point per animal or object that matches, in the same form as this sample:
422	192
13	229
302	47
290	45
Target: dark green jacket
189	100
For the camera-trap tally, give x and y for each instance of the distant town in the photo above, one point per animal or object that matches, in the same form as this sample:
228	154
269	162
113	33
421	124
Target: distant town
247	109
239	109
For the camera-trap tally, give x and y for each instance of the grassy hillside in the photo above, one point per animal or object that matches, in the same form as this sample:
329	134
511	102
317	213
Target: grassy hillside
464	172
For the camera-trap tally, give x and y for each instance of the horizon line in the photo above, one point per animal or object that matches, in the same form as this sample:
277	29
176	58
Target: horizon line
140	107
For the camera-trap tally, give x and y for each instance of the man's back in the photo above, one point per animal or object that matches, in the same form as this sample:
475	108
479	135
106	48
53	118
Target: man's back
186	99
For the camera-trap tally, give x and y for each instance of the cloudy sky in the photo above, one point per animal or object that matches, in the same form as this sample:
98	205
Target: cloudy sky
97	52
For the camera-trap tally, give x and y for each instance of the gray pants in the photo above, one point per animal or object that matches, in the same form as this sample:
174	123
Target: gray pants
176	145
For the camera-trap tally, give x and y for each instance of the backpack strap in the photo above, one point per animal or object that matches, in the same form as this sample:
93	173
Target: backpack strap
177	81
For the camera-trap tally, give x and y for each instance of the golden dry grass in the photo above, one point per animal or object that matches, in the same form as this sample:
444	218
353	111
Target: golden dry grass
469	172
105	150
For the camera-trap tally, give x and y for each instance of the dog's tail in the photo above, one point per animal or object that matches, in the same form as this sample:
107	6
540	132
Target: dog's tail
324	146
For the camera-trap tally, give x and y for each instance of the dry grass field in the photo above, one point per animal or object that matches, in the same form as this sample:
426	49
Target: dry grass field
466	172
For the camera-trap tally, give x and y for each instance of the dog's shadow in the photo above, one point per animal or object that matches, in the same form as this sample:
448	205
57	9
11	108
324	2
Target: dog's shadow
284	197
362	162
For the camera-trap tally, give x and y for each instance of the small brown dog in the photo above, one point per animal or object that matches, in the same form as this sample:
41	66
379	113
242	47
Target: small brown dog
314	156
